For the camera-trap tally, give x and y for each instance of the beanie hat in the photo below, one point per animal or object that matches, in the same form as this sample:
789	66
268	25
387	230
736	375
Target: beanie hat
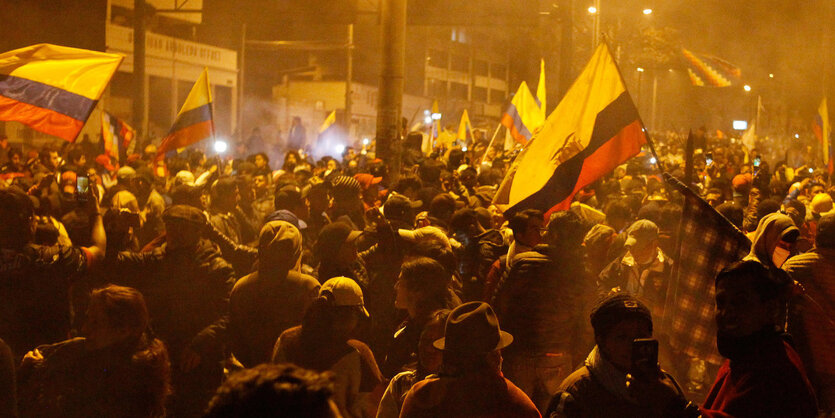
615	309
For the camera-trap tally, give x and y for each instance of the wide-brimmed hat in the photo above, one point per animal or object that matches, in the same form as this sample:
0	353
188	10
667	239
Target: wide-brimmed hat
473	328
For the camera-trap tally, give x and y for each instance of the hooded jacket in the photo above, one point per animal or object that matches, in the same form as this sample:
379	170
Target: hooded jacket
274	298
771	229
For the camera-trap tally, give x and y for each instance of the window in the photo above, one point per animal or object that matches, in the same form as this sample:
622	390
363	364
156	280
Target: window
436	88
458	90
460	63
480	67
480	94
498	71
436	58
497	96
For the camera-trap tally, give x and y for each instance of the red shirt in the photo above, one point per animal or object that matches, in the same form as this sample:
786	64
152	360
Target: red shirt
771	382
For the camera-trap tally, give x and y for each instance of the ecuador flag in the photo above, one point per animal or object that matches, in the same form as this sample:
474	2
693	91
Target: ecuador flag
195	122
594	128
523	117
53	89
116	136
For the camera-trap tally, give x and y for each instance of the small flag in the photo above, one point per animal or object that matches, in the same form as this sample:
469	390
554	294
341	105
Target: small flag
705	70
523	117
594	128
823	131
53	89
465	130
707	243
436	123
117	136
540	90
329	121
195	121
749	137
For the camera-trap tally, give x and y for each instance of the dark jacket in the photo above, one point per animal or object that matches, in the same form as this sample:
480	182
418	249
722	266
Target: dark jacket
187	292
583	396
75	381
479	394
538	302
647	283
34	293
261	308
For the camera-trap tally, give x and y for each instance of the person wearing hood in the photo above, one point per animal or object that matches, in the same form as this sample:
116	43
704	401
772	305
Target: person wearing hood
774	240
273	298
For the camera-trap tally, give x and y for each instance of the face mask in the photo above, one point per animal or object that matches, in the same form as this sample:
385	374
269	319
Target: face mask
780	256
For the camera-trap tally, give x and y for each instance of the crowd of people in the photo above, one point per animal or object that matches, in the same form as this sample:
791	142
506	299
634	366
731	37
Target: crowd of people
228	286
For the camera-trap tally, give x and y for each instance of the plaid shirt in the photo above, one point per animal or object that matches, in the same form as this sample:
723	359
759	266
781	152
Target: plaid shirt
708	242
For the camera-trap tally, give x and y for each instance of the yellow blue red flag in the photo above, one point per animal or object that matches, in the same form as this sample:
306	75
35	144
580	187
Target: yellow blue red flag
195	121
117	136
524	116
53	89
594	128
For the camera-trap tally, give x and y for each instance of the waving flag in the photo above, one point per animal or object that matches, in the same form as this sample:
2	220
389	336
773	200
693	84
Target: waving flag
540	90
823	131
707	243
117	136
465	129
523	117
436	123
329	121
53	89
195	121
594	128
705	70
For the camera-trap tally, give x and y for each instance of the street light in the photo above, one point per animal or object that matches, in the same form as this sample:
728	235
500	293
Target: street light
746	88
647	11
770	75
592	10
640	70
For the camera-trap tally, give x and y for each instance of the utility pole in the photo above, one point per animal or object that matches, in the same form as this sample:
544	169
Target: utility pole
566	45
390	92
241	84
349	50
139	119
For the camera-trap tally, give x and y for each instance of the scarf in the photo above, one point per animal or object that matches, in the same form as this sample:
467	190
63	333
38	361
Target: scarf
612	379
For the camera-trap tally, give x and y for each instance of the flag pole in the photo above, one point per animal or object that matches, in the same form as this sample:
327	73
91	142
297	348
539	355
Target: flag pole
490	145
626	89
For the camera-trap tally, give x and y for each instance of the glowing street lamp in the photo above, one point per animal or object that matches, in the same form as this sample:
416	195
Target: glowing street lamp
592	10
640	70
746	88
221	146
647	11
